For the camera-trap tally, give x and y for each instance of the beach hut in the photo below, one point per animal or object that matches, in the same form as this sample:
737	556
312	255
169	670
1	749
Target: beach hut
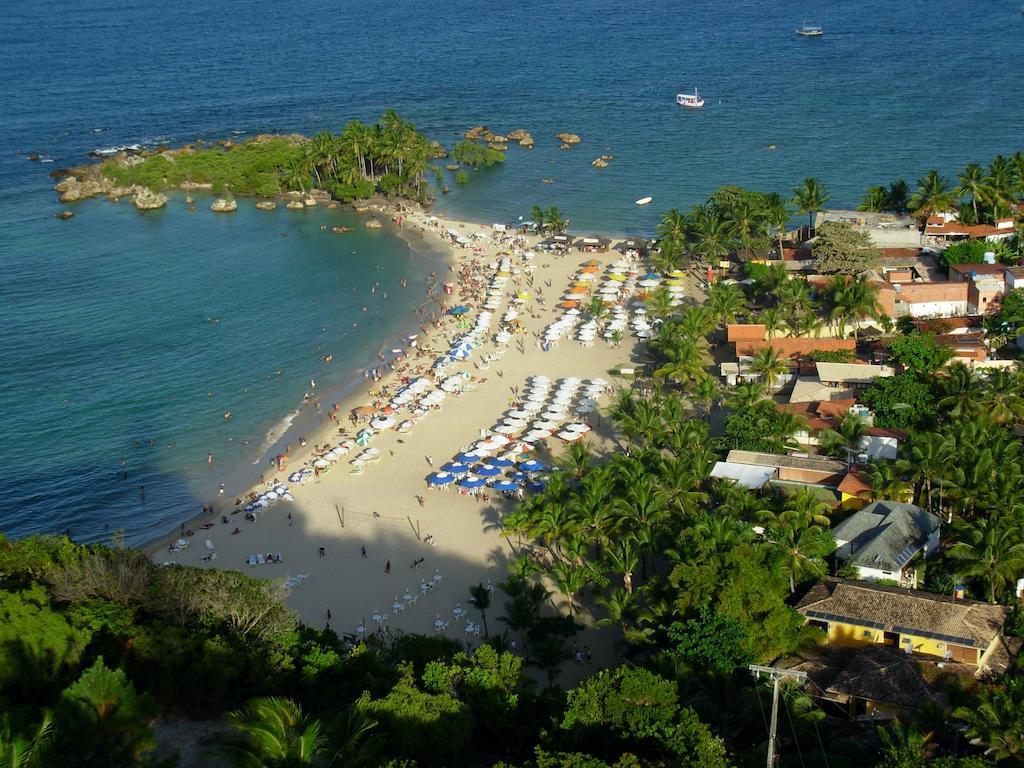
593	244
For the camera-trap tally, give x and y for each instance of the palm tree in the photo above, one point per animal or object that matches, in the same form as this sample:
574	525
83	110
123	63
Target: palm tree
621	556
898	195
659	302
927	461
555	222
933	195
802	551
713	236
705	393
19	750
875	199
776	215
744	395
674	232
773	321
769	365
695	322
885	481
725	301
810	197
991	548
480	598
847	439
747	220
995	721
905	747
273	732
598	309
973	186
805	508
549	654
538	216
1000	184
963	391
853	298
570	578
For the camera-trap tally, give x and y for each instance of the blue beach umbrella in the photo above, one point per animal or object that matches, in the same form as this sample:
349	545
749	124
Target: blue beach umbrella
456	468
459	310
486	470
533	466
440	478
651	276
536	486
472	482
505	486
503	463
468	457
521	477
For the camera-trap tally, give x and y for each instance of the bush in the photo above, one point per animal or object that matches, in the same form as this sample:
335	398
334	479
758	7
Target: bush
473	154
461	178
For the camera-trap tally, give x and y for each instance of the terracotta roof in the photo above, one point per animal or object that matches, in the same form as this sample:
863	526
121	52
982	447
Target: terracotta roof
745	332
915	293
794	347
961	622
814	422
899	434
853	485
837	407
873	673
968	230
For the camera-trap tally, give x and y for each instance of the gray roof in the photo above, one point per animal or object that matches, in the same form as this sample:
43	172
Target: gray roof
886	534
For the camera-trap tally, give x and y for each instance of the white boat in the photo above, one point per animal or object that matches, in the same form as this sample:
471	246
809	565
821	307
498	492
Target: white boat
810	30
691	100
644	200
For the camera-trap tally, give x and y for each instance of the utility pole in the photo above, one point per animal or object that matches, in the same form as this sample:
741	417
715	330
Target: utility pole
777	675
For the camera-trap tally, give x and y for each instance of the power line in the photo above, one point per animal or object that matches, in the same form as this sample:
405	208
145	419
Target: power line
776	675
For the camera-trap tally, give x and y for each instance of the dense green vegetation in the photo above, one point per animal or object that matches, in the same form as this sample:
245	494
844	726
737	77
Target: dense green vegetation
979	195
390	157
472	154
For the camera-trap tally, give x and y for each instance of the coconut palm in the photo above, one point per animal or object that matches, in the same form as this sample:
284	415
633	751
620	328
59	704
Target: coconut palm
695	322
480	598
18	750
847	439
972	186
1004	397
963	391
674	232
773	321
622	557
747	219
725	301
705	394
853	298
885	481
805	508
273	732
933	195
801	551
927	461
598	309
992	549
903	746
875	199
744	395
538	216
570	578
554	221
1000	183
776	215
769	365
898	195
659	302
810	197
712	236
996	721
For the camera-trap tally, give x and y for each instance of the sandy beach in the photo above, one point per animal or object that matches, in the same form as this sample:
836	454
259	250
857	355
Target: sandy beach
456	537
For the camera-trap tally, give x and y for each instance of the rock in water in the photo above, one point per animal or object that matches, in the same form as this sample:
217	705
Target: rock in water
568	138
600	163
373	224
526	141
223	205
476	132
266	205
497	145
65	215
147	200
310	202
295	205
341	230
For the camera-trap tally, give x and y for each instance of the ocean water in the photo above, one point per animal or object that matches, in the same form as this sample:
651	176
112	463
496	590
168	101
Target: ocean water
118	326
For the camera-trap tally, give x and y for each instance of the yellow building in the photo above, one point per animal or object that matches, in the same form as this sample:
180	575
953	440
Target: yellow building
855	613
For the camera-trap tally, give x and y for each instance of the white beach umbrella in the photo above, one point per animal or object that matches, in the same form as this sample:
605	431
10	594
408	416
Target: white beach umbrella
505	429
541	424
320	463
511	422
577	427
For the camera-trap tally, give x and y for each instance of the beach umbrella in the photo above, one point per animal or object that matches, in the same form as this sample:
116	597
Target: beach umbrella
505	486
383	422
505	429
617	277
364	439
569	304
518	423
585	409
468	457
472	482
576	289
320	463
651	276
534	405
541	379
537	434
486	470
365	432
577	427
590	263
456	467
590	269
440	478
518	413
459	310
519	448
532	466
536	486
502	463
586	276
569	436
648	283
544	425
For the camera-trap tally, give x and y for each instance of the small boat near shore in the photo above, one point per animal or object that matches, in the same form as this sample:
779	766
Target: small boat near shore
644	201
810	30
690	100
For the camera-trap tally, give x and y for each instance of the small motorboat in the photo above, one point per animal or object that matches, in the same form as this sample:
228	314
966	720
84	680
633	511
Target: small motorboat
692	100
644	200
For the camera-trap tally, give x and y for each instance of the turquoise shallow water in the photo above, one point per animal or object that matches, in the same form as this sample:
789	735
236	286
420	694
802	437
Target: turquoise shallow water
116	325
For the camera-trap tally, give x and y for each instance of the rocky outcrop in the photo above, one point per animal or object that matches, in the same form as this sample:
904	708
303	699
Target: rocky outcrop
340	230
602	161
118	192
452	167
266	205
72	188
65	215
295	205
437	150
309	202
568	138
333	204
223	205
565	146
360	207
373	224
476	132
497	145
148	200
522	136
526	141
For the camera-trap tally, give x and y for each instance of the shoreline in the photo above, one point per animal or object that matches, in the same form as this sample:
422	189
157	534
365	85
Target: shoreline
347	396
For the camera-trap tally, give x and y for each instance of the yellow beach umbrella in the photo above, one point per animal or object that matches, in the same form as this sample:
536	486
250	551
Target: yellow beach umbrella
617	277
677	273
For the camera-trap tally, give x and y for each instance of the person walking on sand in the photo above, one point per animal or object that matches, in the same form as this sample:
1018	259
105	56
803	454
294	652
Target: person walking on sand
363	550
387	567
430	461
323	553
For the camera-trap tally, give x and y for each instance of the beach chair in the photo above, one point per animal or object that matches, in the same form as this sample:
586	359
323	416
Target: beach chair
209	545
